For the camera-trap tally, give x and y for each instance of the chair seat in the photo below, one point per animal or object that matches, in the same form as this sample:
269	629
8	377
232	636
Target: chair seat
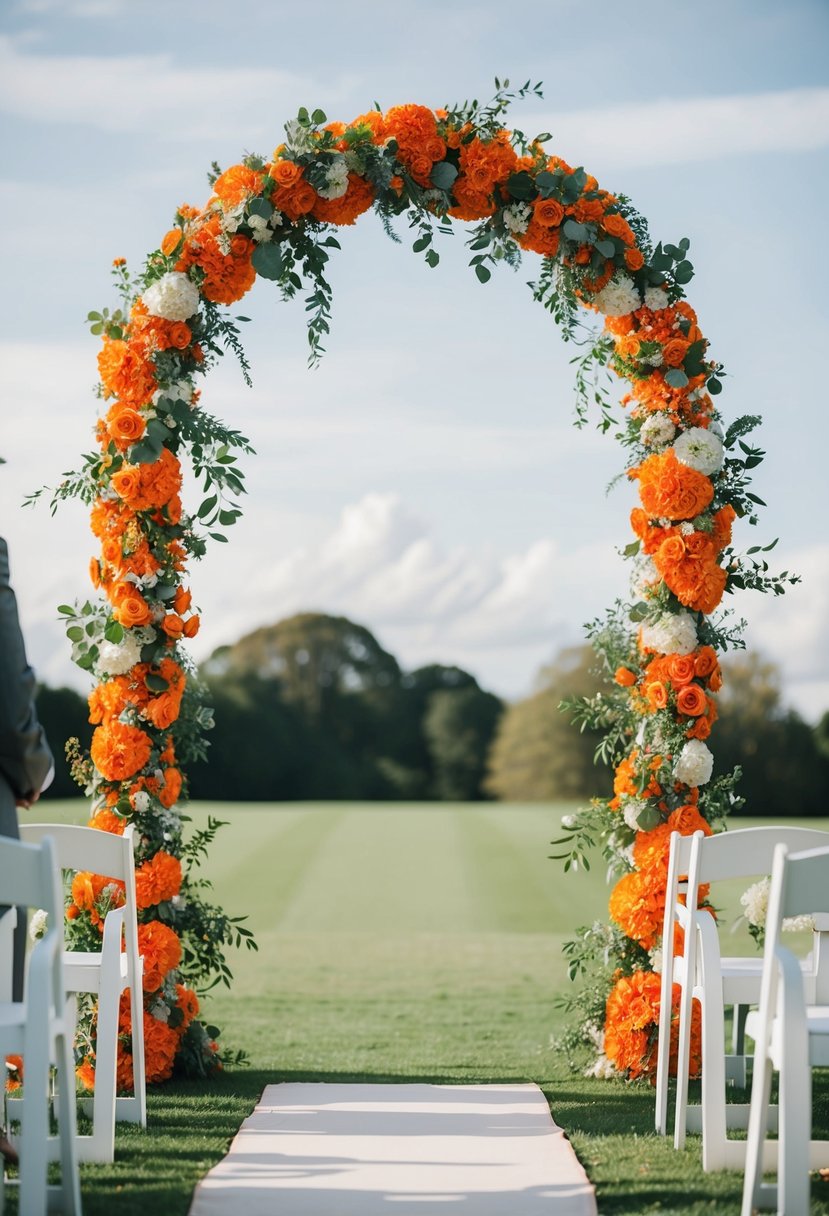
817	1021
82	969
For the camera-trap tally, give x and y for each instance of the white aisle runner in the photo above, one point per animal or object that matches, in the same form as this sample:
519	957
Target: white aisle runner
395	1150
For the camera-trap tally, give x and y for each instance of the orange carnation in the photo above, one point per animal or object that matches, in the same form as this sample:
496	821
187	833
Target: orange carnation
119	750
637	905
358	198
157	880
125	373
227	275
237	184
161	948
671	489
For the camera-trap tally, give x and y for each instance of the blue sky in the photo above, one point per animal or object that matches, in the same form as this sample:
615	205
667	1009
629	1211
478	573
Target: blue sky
426	480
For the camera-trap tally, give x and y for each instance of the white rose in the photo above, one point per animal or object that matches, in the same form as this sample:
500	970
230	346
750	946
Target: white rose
259	227
699	449
620	296
657	431
694	764
670	633
174	297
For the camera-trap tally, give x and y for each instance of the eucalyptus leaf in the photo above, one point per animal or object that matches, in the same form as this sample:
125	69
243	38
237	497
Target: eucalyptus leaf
267	261
156	683
483	274
676	377
573	230
443	175
260	207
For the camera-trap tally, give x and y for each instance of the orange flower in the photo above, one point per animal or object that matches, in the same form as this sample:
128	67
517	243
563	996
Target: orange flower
373	122
686	820
173	625
539	238
14	1074
227	275
237	184
107	821
691	700
182	600
85	1073
157	880
285	172
125	373
637	905
618	226
170	790
632	1024
548	212
681	669
295	200
125	425
671	489
161	948
188	1003
625	677
191	626
674	352
119	750
171	241
132	610
146	487
656	695
634	259
358	198
705	661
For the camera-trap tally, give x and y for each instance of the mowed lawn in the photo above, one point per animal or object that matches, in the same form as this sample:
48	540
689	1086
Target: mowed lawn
401	942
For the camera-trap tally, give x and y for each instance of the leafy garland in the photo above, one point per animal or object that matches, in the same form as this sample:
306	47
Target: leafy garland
274	218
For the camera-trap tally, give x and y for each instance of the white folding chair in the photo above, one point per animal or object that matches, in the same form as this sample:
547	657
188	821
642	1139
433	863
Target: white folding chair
107	973
791	1033
705	975
40	1028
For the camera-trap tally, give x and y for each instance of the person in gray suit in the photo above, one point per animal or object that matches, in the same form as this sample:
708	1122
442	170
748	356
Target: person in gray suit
26	764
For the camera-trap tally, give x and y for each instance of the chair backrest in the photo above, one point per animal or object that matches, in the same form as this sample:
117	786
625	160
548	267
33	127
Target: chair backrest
746	852
30	878
99	852
803	882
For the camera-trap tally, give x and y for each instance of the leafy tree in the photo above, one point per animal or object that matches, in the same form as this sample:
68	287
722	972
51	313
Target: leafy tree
537	753
63	714
459	726
784	772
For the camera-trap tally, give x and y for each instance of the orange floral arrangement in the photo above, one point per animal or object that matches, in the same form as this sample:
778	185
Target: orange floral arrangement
274	218
631	1027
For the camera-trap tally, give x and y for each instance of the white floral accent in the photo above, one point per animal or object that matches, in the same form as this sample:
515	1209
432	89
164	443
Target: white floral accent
336	180
699	449
182	390
141	802
656	959
602	1068
116	658
299	138
755	903
618	297
568	821
657	431
174	297
694	764
686	528
517	217
38	924
259	228
644	576
160	1010
655	299
632	810
230	220
670	633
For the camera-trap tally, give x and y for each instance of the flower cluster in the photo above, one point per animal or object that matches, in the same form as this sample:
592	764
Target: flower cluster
632	1024
273	217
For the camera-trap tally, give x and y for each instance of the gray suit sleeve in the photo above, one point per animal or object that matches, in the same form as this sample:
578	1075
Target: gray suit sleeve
25	758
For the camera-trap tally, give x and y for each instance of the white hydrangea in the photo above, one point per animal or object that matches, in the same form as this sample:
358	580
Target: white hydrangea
618	297
38	924
632	810
174	297
700	449
694	763
656	959
116	658
517	217
656	299
336	179
670	633
230	220
657	431
141	802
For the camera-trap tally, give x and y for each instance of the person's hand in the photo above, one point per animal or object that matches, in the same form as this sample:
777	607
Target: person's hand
28	800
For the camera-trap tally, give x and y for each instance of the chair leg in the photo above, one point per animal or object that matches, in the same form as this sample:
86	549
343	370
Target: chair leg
102	1147
34	1134
68	1128
663	1051
757	1123
795	1125
139	1076
714	1122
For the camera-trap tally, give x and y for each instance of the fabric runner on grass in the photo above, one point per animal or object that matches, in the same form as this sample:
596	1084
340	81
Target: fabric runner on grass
361	1150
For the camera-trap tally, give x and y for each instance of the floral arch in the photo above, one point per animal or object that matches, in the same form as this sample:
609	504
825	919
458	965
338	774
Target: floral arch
275	217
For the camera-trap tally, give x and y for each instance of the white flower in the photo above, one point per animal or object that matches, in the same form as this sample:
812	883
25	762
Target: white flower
182	390
602	1068
37	925
755	902
229	221
644	576
670	633
657	431
686	528
694	763
655	299
336	179
141	801
259	227
656	959
568	821
299	138
699	449
116	658
160	1010
799	924
517	217
633	809
174	297
620	296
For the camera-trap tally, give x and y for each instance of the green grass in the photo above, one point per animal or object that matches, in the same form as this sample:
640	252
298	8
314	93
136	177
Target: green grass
402	943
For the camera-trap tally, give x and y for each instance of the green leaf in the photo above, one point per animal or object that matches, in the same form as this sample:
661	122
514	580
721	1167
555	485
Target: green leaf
157	432
683	273
261	207
207	506
75	633
676	377
606	248
547	183
543	138
218	536
227	518
267	261
632	549
432	258
302	116
145	452
443	175
573	230
483	274
521	186
156	683
714	386
422	242
65	610
318	117
114	632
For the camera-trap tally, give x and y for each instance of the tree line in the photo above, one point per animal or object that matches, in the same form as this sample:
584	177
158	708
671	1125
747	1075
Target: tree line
313	707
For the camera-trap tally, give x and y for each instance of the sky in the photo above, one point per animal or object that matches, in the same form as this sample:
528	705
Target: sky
426	480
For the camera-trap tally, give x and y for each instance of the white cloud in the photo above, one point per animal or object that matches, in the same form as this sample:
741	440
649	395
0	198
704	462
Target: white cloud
671	130
150	94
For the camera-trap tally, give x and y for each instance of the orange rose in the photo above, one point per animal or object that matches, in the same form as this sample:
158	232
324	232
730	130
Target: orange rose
191	626
125	425
671	489
656	695
126	482
171	241
173	625
691	700
625	677
548	212
634	259
681	669
182	600
618	226
705	661
285	172
179	334
674	352
132	611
